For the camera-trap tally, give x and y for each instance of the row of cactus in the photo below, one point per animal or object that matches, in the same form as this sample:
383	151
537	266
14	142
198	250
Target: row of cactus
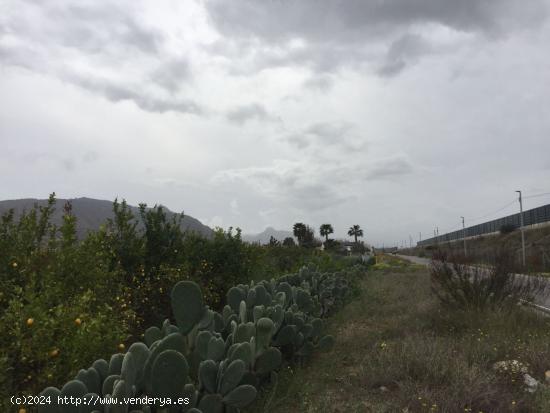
216	361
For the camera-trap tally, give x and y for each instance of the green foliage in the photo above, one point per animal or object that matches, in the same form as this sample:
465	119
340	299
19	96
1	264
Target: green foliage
187	305
218	263
66	302
289	242
273	242
462	287
54	316
299	231
305	235
220	369
355	231
325	230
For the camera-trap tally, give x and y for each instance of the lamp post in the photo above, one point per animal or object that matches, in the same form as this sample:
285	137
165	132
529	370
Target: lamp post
521	228
464	235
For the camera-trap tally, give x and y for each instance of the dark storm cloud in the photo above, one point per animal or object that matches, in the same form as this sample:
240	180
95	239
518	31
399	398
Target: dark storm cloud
338	32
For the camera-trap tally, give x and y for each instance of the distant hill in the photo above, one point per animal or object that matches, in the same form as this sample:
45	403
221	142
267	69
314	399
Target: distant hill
263	237
91	213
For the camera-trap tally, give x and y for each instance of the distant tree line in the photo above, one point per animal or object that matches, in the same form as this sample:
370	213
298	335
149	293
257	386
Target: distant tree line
305	236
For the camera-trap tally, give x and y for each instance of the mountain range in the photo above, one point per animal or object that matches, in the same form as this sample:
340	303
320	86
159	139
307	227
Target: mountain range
91	213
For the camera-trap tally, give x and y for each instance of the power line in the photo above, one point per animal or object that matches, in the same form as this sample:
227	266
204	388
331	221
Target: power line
536	195
494	212
472	220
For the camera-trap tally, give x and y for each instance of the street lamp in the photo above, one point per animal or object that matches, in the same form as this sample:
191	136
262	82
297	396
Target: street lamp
521	228
464	235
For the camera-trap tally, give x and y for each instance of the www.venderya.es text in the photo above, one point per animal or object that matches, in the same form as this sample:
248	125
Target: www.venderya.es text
95	400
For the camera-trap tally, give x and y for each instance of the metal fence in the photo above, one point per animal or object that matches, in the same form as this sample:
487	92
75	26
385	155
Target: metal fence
530	217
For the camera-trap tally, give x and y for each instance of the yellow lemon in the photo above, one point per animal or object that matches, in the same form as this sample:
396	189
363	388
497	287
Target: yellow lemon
30	321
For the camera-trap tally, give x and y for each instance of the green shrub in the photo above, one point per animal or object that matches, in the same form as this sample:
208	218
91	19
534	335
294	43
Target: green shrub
465	287
219	360
114	282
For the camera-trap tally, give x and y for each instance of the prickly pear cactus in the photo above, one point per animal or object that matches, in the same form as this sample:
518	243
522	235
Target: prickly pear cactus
187	305
216	360
170	374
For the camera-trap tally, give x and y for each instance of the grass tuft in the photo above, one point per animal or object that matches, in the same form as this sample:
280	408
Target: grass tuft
398	350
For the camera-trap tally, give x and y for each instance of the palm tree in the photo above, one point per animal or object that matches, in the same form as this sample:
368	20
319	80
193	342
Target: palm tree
300	231
355	231
325	230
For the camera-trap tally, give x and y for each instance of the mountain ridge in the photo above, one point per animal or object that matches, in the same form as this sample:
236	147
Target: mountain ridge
91	213
264	236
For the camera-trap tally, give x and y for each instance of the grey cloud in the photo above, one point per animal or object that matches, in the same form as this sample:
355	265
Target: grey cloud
339	134
389	167
254	56
93	27
59	39
303	187
403	52
338	33
68	164
321	83
328	132
90	156
172	74
243	114
300	141
117	93
350	20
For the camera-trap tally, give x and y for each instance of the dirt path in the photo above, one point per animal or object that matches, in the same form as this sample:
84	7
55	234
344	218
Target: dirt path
415	260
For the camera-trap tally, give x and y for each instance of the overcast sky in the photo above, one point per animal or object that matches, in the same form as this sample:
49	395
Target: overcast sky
396	115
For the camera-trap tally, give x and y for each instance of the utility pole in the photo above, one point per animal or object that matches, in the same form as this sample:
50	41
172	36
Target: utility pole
410	241
464	235
521	223
419	237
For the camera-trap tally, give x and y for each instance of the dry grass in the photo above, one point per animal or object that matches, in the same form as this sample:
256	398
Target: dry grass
398	351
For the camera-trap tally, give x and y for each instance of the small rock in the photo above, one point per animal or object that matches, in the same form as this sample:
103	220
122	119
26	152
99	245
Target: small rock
510	367
531	384
383	389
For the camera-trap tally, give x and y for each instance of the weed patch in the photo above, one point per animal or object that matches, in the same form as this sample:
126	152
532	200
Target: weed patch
399	350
